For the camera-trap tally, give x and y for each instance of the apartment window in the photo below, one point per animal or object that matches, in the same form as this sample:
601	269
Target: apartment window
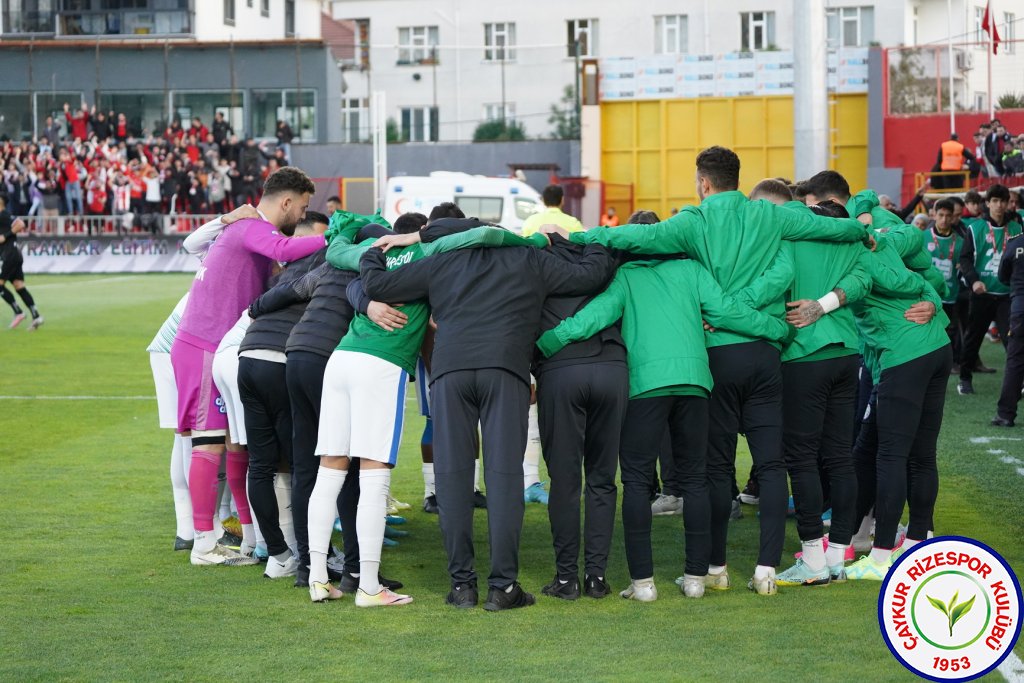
264	7
495	112
206	104
229	12
289	18
757	31
582	33
145	111
363	43
16	116
297	109
419	124
1009	33
979	34
354	119
851	26
670	37
417	45
499	42
29	16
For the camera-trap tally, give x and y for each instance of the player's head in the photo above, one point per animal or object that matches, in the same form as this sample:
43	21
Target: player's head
718	170
996	199
552	195
286	194
772	190
333	204
973	201
313	223
825	185
829	208
409	222
643	217
943	215
958	208
445	210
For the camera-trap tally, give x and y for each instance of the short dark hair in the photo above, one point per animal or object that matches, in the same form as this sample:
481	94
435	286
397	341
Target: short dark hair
826	183
956	201
552	195
770	189
288	179
944	205
997	191
446	210
972	197
830	208
312	218
334	198
409	222
720	166
643	217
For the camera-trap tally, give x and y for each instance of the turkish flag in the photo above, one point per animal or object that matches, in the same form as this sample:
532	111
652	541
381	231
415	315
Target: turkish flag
989	26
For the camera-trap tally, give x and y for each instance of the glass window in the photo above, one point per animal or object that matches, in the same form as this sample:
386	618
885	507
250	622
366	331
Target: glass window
979	34
493	112
52	104
354	119
206	104
1009	33
526	208
15	116
851	26
289	18
264	7
271	106
417	45
29	16
757	31
582	32
487	209
145	112
419	124
229	12
670	34
499	42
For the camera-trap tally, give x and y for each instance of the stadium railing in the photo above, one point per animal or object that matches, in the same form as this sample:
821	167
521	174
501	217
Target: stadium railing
126	224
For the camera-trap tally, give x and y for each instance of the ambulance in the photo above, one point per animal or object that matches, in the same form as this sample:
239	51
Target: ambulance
507	202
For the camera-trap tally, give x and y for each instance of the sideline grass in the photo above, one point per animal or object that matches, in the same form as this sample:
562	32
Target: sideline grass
90	589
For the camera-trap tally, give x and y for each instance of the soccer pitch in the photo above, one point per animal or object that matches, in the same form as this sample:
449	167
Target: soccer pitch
90	589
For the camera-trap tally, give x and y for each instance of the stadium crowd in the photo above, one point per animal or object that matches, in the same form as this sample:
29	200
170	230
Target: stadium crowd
811	320
94	163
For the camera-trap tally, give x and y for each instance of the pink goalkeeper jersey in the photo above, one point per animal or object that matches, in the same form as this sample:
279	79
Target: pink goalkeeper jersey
234	273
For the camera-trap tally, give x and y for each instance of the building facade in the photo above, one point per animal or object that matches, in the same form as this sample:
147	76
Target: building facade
255	61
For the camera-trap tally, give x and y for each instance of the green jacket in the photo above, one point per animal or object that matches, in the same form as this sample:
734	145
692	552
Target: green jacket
945	252
982	255
734	238
661	305
402	346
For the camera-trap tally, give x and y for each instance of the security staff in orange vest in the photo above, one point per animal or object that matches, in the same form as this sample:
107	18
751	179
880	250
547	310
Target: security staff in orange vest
952	156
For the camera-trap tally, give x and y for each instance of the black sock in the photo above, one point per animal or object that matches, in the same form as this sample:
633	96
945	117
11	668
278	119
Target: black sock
9	298
29	301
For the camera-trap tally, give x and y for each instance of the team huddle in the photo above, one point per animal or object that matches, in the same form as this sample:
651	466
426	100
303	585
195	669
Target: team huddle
806	319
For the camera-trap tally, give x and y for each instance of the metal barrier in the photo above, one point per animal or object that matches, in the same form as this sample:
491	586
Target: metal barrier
125	224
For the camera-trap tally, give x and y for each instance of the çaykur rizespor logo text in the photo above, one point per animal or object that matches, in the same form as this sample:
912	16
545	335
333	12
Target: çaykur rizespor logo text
949	609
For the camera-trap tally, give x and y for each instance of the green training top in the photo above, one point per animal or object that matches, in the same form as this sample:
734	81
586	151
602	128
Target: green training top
733	237
989	242
945	252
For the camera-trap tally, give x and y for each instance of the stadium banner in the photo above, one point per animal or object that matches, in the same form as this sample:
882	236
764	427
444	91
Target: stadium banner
106	254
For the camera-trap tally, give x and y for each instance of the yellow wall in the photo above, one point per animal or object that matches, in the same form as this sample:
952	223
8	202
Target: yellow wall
652	144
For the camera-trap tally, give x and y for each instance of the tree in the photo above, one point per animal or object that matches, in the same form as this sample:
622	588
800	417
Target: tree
392	132
911	91
564	117
499	130
1010	100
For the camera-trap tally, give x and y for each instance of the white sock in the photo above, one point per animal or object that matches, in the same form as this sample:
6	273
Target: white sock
909	543
864	531
835	554
283	493
258	533
179	487
814	554
531	459
716	569
374	485
204	541
223	500
428	479
323	508
249	534
881	555
763	571
476	475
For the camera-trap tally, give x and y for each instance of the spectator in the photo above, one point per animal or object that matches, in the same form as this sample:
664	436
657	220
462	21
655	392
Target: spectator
333	204
121	129
198	129
995	143
973	203
920	221
101	127
610	219
79	121
51	130
284	140
1013	160
71	180
953	156
221	131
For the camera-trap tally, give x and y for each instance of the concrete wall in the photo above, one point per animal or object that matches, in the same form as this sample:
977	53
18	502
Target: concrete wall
250	24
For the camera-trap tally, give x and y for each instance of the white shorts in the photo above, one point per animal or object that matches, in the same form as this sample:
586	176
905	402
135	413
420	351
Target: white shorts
225	376
422	388
363	407
166	389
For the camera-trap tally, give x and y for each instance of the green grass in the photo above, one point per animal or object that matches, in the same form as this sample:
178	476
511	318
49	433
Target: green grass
90	590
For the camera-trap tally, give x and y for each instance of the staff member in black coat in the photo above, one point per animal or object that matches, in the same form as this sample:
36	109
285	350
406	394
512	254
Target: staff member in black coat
487	306
1011	272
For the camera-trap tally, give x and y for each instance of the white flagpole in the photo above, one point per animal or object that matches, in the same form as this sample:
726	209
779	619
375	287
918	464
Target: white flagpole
949	32
991	48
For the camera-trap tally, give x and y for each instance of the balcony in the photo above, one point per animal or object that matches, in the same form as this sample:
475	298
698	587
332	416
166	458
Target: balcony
126	23
29	23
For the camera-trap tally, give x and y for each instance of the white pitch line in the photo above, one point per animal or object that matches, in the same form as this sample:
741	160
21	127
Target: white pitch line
85	282
78	398
1012	668
1010	460
990	439
996	451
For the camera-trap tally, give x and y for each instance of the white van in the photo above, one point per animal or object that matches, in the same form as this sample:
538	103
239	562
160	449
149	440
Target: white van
504	201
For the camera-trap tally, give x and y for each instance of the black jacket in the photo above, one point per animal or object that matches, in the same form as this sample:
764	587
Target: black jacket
271	331
606	346
486	302
1012	274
